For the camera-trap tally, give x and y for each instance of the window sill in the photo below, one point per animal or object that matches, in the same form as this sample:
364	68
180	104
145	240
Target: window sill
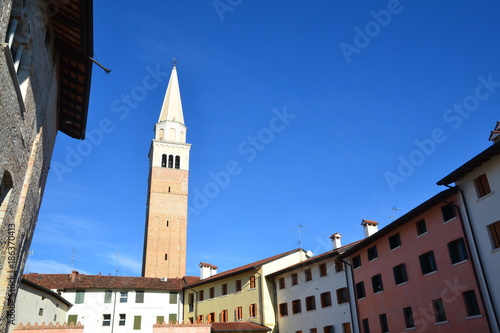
430	273
485	196
373	259
402	284
378	292
251	289
423	234
450	220
474	317
410	328
362	298
441	323
395	248
460	262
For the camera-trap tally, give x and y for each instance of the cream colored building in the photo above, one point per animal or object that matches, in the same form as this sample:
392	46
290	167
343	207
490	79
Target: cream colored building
240	294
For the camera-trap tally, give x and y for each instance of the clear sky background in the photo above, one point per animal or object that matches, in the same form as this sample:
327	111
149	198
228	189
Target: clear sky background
378	100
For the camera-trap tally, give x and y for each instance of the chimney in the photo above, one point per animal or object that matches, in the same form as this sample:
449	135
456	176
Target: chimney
369	227
495	134
207	270
74	275
336	240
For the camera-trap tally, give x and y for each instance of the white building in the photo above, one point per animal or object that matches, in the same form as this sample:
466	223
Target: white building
116	303
478	181
37	304
312	296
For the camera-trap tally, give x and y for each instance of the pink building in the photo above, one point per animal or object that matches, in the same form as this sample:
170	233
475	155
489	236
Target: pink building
416	273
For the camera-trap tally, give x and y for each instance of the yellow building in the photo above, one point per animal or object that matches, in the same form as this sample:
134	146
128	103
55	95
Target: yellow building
239	294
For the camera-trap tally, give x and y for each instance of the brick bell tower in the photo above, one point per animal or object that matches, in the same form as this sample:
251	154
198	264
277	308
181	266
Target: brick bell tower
165	236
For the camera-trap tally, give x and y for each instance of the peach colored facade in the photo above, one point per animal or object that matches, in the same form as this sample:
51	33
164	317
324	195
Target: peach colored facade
426	294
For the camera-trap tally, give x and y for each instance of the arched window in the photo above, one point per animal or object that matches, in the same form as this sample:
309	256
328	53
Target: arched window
170	161
177	162
5	191
164	161
162	131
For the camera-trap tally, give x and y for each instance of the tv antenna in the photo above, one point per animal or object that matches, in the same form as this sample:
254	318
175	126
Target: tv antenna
117	254
73	258
394	209
300	234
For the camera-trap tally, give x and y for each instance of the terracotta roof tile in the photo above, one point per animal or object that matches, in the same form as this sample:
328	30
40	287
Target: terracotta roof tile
63	281
242	269
238	326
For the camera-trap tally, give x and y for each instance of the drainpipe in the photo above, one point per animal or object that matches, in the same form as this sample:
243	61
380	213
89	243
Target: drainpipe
12	32
113	316
276	306
261	306
480	264
195	304
351	304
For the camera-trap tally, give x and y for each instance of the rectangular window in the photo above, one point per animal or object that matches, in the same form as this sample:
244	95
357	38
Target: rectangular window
252	282
201	295
408	314
106	320
80	296
252	310
448	212
160	319
73	319
372	253
108	294
346	327
281	282
283	308
123	296
238	313
366	326
295	279
339	266
342	296
427	262
439	310
377	283
224	289
308	274
384	327
224	317
471	305
326	299
212	292
211	317
360	290
394	241
139	296
137	322
356	261
421	227
40	312
482	186
457	251
173	298
313	330
121	322
328	329
238	286
190	302
296	307
310	303
323	271
399	274
494	230
199	319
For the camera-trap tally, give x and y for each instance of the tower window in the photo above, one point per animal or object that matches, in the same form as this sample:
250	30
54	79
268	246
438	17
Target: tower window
169	189
170	161
168	222
164	161
177	162
166	256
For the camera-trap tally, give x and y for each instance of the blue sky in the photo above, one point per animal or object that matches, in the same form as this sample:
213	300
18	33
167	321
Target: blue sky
332	111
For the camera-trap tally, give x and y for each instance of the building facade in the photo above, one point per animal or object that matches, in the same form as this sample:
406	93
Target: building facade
312	296
116	303
165	236
417	274
478	180
240	294
45	72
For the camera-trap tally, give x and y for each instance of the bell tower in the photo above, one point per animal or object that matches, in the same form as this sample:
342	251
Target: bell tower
165	237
